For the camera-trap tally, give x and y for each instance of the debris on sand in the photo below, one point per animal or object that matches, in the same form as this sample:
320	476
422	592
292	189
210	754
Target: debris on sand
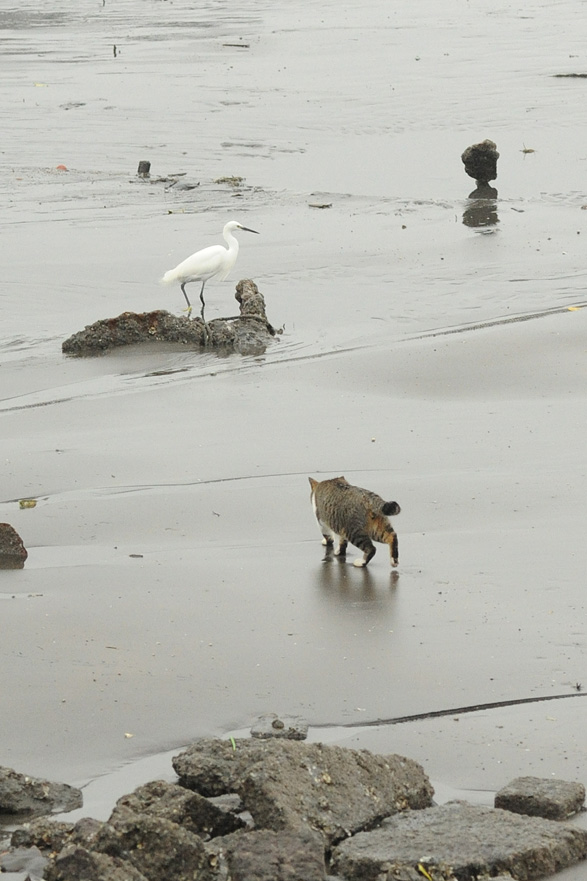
480	161
247	334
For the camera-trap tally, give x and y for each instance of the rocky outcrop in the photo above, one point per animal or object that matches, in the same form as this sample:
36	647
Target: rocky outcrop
281	810
247	334
294	786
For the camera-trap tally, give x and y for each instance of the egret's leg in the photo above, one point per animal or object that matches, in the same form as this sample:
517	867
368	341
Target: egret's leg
186	299
202	300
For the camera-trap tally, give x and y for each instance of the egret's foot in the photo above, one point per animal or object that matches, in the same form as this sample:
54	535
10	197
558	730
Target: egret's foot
188	312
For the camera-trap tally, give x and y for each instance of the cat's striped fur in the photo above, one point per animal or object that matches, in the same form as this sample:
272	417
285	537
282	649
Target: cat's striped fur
349	513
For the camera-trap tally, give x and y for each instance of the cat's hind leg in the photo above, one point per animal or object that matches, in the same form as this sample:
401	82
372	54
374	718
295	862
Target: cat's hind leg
368	548
393	549
340	547
382	530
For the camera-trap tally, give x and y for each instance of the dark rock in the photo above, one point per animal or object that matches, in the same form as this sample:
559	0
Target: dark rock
289	785
459	840
144	169
539	797
276	856
480	161
131	328
24	859
12	550
20	794
194	812
271	725
249	333
42	833
159	849
85	831
76	863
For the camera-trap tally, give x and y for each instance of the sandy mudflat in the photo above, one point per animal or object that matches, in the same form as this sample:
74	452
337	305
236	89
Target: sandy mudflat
175	584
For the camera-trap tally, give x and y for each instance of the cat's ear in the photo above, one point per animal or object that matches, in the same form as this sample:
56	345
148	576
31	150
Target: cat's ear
313	483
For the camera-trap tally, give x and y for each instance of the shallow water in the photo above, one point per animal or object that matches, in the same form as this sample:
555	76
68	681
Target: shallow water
175	584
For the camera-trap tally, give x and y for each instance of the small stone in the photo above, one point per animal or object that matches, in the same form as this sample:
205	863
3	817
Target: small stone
271	725
541	797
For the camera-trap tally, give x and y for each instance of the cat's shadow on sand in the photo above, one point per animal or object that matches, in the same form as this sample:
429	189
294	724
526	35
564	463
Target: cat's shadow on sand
354	581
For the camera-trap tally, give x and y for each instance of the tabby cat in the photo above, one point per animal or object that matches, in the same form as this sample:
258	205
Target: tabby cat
349	513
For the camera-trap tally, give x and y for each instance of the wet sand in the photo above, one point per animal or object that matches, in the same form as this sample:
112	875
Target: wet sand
175	585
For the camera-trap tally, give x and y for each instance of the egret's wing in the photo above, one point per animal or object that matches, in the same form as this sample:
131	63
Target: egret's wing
201	265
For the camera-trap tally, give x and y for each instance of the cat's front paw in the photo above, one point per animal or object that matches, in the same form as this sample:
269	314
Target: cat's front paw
359	563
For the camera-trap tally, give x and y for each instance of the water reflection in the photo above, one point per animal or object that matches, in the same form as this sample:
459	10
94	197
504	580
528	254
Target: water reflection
481	212
340	580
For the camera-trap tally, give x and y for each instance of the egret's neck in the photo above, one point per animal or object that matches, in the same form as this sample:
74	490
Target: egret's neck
231	241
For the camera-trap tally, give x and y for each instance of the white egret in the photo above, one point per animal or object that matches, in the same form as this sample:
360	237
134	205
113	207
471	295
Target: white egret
213	262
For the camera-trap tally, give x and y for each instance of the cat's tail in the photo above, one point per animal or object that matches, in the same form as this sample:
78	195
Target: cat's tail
390	508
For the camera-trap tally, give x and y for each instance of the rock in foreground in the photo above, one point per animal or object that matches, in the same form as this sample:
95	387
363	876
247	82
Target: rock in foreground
248	334
293	786
281	810
460	840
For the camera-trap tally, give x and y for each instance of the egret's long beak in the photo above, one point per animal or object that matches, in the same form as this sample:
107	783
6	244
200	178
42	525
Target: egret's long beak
246	229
